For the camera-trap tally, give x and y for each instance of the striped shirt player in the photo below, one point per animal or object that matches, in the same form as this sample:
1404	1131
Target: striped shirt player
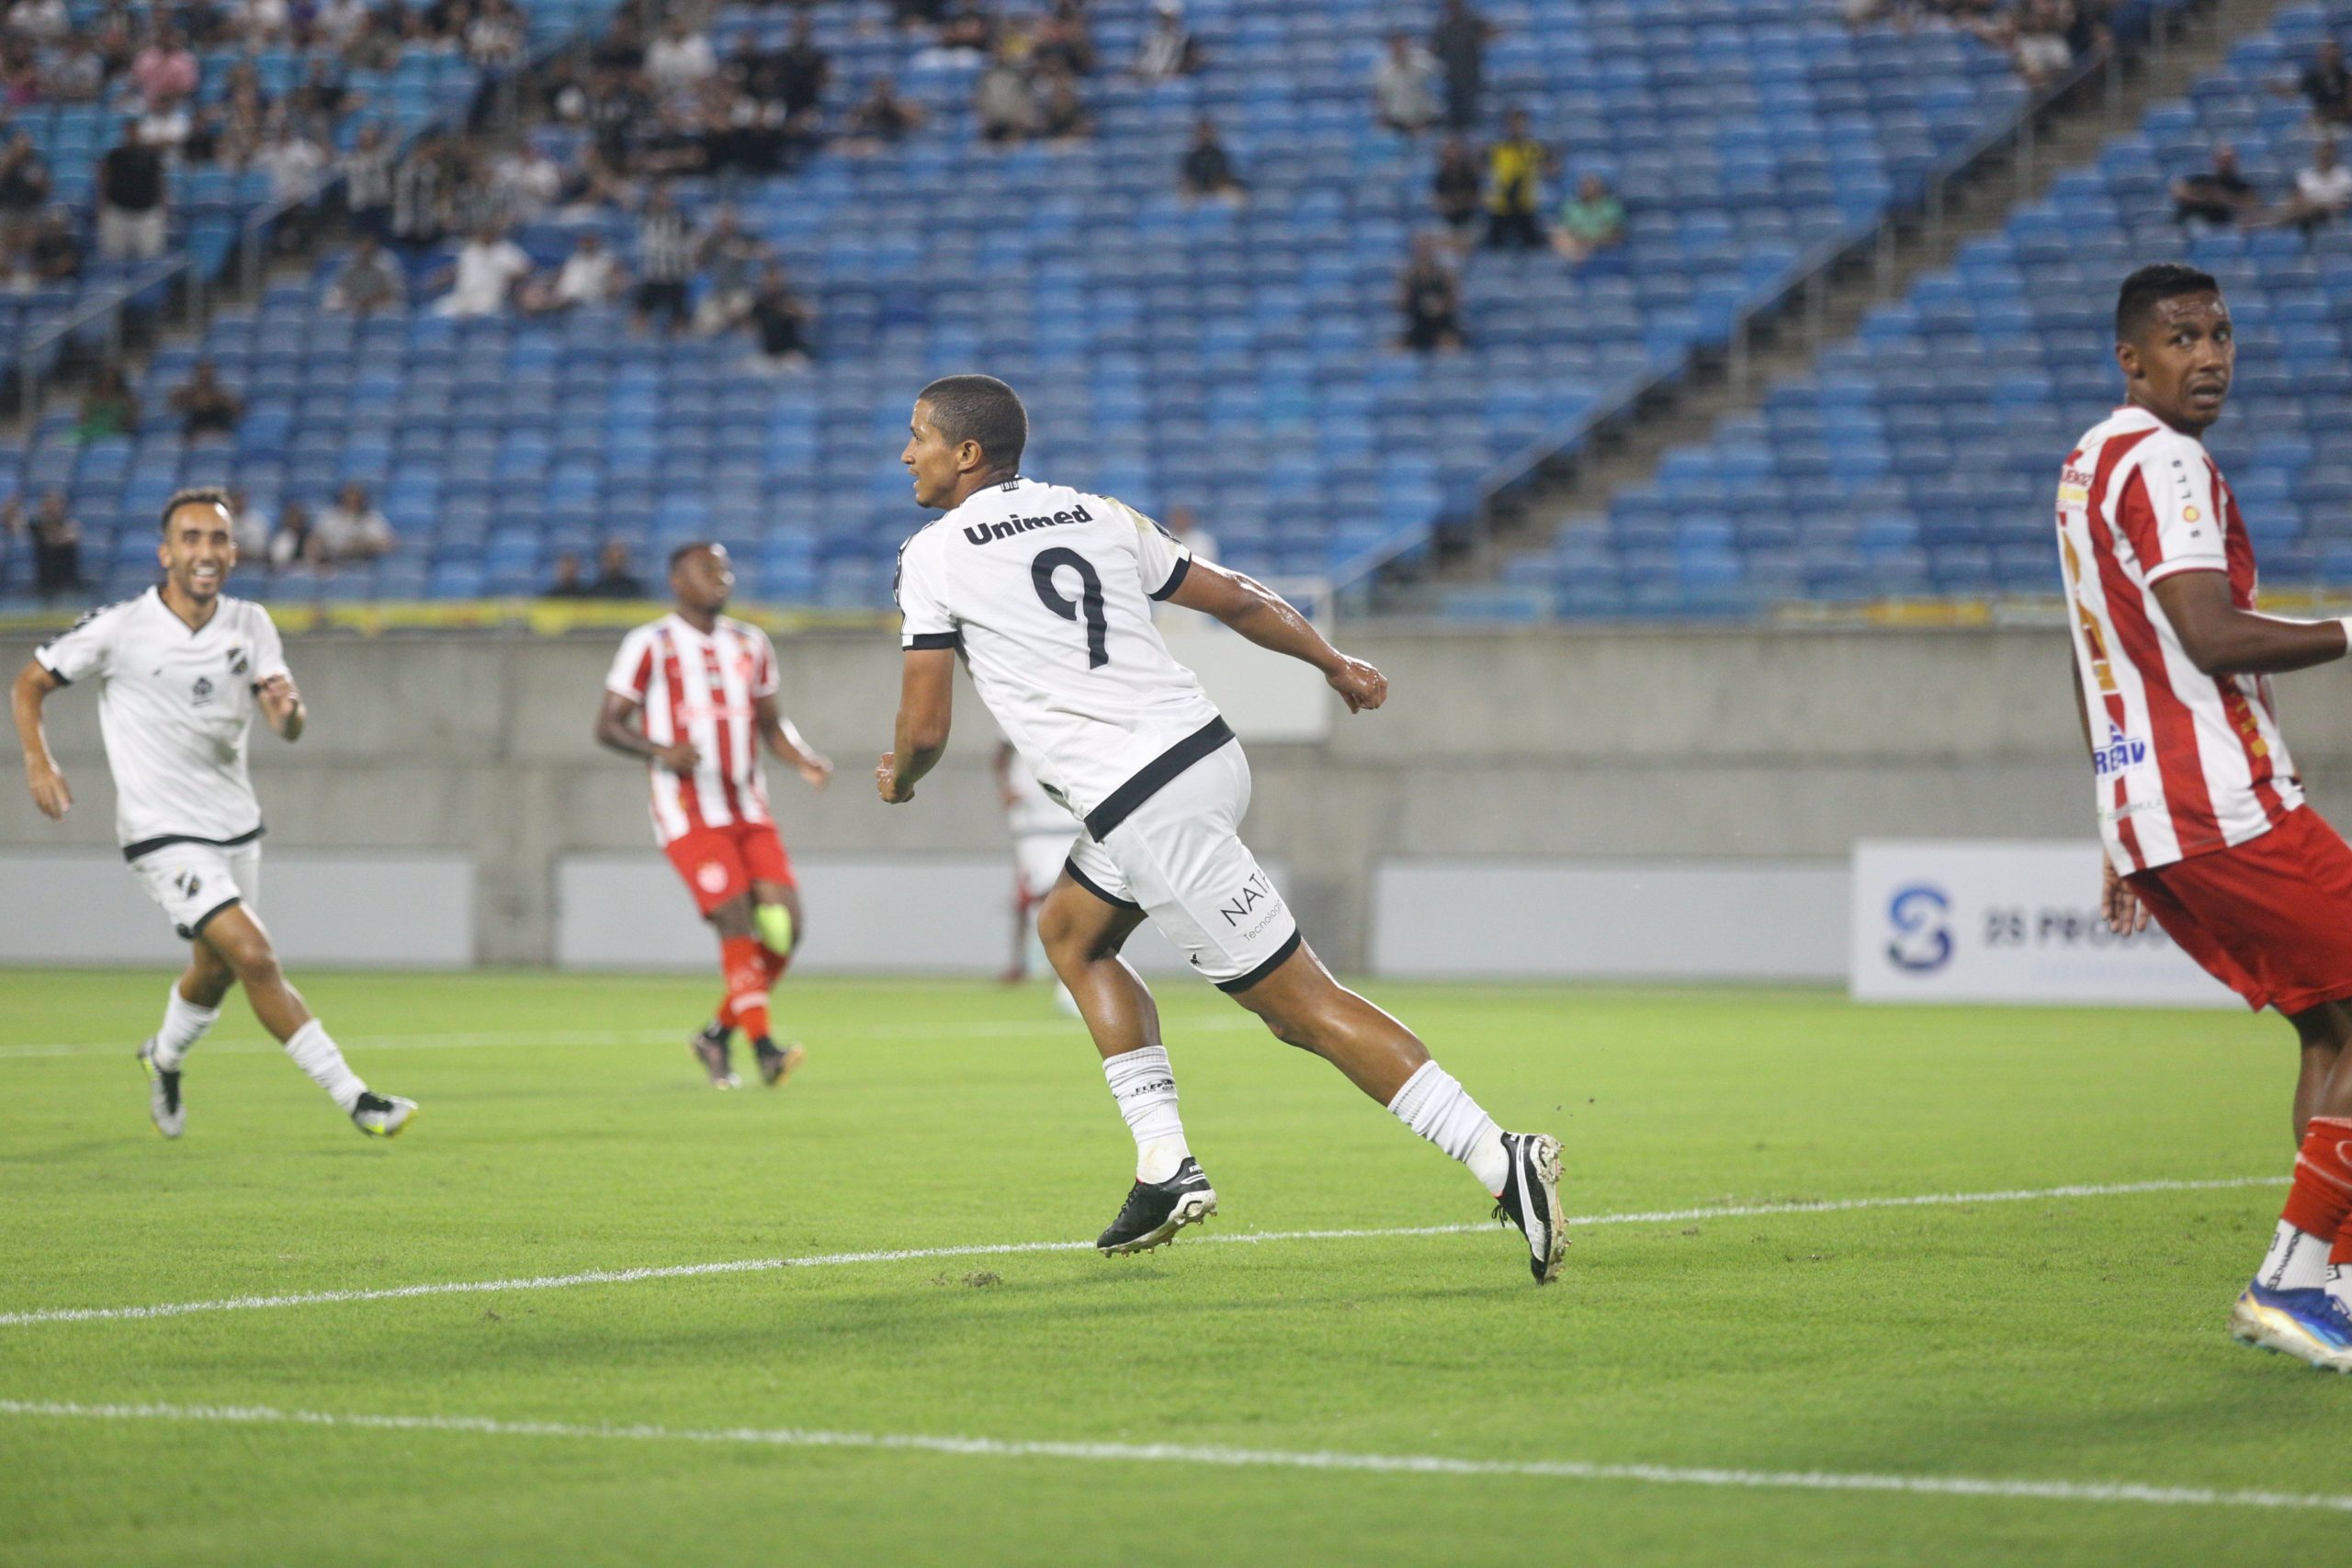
693	693
2203	816
1046	594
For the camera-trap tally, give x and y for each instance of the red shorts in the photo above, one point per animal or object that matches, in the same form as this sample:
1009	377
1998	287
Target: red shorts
720	863
2271	919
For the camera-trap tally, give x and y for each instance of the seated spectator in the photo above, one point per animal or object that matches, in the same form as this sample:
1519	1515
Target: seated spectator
967	31
2221	195
340	23
295	542
109	408
76	73
421	196
1458	192
165	67
322	99
367	183
1404	89
800	71
2322	192
249	525
351	529
666	244
1005	100
1515	169
1061	112
614	579
56	540
54	254
24	187
296	166
2041	42
1063	40
779	322
569	582
133	201
679	60
489	269
1208	168
1168	49
527	182
495	38
206	407
370	280
731	261
1591	220
881	119
1430	299
43	21
2326	84
591	276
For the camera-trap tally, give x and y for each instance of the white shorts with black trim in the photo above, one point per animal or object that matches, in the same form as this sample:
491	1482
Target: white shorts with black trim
1178	856
195	881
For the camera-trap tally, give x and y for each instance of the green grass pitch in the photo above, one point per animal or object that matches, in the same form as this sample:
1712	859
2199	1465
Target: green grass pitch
2073	1340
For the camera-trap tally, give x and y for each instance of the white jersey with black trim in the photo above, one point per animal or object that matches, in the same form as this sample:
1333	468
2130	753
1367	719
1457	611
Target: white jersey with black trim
177	707
1047	593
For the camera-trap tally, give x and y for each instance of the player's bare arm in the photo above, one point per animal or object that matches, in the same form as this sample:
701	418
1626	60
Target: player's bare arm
1266	618
43	775
2221	640
282	705
616	729
783	740
926	708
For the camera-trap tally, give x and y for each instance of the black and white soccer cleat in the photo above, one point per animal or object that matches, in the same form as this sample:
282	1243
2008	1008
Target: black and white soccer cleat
163	1094
1531	1200
382	1115
1156	1210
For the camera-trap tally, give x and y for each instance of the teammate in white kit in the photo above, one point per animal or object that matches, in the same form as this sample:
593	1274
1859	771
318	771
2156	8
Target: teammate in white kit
1042	830
181	671
1045	592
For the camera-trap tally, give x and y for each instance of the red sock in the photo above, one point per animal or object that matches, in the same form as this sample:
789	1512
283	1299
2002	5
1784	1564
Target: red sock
772	967
746	1007
2322	1197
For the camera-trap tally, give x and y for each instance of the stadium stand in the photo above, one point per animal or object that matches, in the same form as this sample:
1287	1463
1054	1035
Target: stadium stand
1919	458
1237	358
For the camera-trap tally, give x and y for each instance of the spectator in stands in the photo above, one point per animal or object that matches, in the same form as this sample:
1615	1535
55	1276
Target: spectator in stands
1459	41
1430	299
1208	170
205	405
24	189
1064	41
1404	88
569	582
908	14
1516	167
165	68
666	247
967	34
779	322
883	119
54	254
1062	115
490	269
614	577
495	36
591	276
109	408
370	280
421	196
1005	100
75	73
323	99
1590	221
2326	84
295	542
527	181
296	166
133	201
730	261
1459	190
801	71
2322	192
350	530
249	525
2219	195
165	125
2040	41
679	61
56	540
43	21
1168	49
367	183
340	23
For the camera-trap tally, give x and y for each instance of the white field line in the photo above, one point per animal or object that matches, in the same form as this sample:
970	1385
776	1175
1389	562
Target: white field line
1003	1249
988	1029
1186	1454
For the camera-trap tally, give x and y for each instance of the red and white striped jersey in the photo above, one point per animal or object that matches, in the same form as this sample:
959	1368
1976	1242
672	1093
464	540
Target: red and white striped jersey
700	689
2183	763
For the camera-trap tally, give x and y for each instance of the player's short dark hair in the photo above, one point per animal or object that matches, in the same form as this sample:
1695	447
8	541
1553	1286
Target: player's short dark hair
2146	289
980	408
195	495
689	547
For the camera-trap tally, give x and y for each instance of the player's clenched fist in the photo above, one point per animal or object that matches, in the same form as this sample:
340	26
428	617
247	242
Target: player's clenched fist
48	783
885	781
1359	684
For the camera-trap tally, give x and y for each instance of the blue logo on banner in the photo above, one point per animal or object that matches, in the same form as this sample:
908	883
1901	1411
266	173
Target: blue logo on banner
1922	942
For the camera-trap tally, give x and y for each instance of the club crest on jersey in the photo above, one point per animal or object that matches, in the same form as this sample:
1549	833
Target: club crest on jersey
188	883
982	533
2120	752
201	692
237	661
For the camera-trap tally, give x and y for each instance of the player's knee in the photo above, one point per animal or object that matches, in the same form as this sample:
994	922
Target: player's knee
256	968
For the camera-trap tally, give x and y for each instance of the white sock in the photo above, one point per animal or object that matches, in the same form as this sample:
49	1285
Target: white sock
2297	1260
320	1058
183	1025
1144	1085
1433	1104
2339	1284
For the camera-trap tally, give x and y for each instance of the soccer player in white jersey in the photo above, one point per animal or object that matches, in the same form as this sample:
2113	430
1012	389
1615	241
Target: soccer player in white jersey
2203	816
181	671
1046	592
705	684
1042	830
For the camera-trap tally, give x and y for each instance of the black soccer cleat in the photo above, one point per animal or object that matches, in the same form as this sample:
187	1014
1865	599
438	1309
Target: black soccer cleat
777	1063
1531	1200
1156	1210
382	1115
709	1046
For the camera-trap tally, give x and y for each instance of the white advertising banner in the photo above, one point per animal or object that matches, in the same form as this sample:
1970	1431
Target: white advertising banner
1974	920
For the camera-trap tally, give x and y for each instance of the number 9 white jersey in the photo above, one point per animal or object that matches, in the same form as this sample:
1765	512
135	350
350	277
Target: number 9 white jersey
1046	591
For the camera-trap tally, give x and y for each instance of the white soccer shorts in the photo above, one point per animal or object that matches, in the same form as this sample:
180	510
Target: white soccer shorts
1179	858
194	882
